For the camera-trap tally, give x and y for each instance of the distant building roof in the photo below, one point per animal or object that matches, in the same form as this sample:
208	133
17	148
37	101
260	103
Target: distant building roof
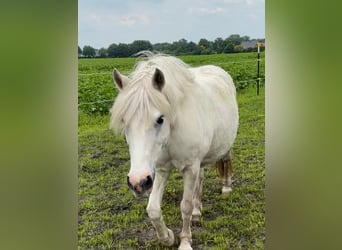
249	44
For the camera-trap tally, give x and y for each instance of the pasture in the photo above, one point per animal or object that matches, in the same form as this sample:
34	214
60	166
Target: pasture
109	215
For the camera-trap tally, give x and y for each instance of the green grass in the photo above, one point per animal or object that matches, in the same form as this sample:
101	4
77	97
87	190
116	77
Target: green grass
95	81
110	217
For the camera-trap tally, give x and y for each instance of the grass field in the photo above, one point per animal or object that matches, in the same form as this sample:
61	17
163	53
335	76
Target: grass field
109	215
96	84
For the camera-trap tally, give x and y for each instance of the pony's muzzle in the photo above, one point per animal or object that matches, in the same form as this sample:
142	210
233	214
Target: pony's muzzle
140	186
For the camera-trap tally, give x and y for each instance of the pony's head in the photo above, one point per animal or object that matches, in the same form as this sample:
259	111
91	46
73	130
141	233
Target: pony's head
142	112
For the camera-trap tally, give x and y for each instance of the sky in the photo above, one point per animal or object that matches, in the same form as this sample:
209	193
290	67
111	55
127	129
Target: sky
103	22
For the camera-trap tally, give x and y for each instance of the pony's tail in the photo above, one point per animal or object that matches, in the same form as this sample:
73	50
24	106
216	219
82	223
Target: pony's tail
224	168
219	165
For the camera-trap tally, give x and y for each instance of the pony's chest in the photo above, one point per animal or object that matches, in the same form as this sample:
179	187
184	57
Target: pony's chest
182	153
177	157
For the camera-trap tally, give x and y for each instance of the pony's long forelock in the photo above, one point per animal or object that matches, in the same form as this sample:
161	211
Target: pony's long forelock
136	103
135	100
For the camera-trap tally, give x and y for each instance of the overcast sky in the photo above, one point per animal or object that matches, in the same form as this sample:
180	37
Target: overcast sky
103	22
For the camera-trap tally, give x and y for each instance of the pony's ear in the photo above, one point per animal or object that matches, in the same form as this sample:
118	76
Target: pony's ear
120	80
158	79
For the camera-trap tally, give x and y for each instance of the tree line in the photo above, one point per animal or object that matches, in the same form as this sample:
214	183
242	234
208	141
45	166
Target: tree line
231	44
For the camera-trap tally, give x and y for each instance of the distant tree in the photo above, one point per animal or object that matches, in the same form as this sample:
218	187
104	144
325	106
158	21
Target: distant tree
124	50
140	45
112	50
204	43
103	52
79	51
229	47
205	47
88	51
163	48
238	48
246	38
181	47
193	49
235	39
218	45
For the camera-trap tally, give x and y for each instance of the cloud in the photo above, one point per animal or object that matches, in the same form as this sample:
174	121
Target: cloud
233	1
102	19
207	11
244	2
131	20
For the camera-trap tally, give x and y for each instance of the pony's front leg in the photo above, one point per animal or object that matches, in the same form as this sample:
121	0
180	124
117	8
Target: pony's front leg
165	235
190	176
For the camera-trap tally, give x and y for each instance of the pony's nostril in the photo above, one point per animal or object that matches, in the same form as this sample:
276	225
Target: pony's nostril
148	183
140	187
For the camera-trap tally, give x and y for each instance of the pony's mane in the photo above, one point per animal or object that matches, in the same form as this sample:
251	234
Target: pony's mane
135	100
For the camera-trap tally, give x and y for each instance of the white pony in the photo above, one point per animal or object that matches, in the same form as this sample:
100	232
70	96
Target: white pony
175	116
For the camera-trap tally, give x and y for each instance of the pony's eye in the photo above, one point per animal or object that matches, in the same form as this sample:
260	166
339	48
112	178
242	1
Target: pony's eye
160	120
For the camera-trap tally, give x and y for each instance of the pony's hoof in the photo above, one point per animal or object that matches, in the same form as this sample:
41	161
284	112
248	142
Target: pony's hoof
226	190
196	215
170	240
185	245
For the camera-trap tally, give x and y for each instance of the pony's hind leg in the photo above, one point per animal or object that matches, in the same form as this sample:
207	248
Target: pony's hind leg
225	167
196	212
